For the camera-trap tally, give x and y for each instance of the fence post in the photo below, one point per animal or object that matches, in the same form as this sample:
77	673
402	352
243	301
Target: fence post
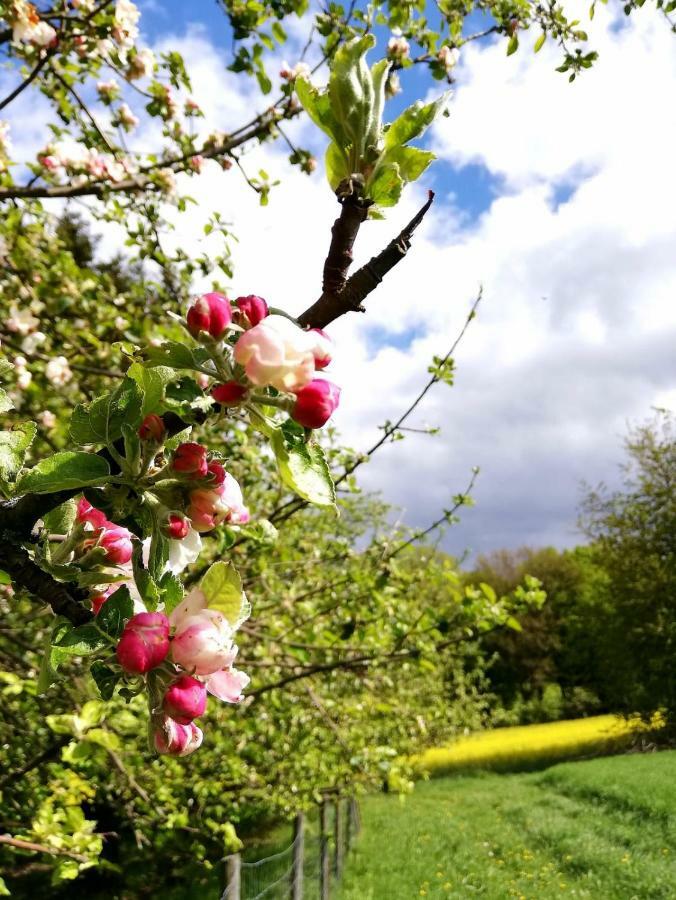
233	871
338	840
324	873
349	830
298	857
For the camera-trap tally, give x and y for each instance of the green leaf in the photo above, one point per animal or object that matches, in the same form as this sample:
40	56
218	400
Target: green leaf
386	187
414	121
153	382
336	164
102	738
68	469
14	445
105	678
100	422
540	41
61	519
379	73
412	162
303	468
222	587
80	641
513	45
175	356
159	554
317	105
5	401
117	610
351	92
172	591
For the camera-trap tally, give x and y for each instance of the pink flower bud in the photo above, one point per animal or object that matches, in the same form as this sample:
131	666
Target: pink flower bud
323	348
190	459
173	739
88	514
315	403
97	600
117	542
229	394
177	526
152	429
252	309
216	473
203	643
185	700
210	313
210	507
144	642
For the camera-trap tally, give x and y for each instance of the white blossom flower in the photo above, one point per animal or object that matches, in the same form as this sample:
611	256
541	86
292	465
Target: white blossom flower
448	57
58	372
21	321
398	47
141	64
125	118
125	30
28	27
47	418
32	341
290	73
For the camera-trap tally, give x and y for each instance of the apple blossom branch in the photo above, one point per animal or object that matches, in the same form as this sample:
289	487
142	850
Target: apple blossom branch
142	180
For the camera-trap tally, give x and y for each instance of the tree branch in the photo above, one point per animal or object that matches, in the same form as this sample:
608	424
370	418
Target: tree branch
40	848
142	181
341	295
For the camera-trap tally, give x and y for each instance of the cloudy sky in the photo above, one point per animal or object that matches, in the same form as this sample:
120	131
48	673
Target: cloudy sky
559	199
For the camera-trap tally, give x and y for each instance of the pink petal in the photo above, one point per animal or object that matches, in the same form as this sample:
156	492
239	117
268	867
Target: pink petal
228	685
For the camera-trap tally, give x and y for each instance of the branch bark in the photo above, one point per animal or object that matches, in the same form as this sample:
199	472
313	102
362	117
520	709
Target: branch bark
341	295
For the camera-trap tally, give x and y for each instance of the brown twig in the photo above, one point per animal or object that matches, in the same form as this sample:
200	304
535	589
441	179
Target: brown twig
341	295
40	848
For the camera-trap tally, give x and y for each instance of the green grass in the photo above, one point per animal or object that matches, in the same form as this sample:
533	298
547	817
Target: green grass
603	829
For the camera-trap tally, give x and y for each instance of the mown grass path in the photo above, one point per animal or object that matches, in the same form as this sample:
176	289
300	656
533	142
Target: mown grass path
603	829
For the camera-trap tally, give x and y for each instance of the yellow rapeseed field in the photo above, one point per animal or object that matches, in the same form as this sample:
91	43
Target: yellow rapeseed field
531	746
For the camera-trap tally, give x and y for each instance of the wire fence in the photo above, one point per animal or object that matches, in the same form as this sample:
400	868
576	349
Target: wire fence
308	867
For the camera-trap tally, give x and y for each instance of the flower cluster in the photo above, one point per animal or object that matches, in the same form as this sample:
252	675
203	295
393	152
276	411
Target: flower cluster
191	653
212	495
290	73
398	47
448	57
27	26
268	351
57	160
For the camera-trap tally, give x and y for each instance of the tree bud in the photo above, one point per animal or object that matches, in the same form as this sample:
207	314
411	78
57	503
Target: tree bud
315	403
252	310
177	526
190	459
144	643
185	700
322	349
229	394
117	542
152	429
173	739
210	314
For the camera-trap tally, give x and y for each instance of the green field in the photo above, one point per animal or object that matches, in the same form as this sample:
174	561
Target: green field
602	829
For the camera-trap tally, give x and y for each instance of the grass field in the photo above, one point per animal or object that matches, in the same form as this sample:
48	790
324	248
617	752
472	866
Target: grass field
602	829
